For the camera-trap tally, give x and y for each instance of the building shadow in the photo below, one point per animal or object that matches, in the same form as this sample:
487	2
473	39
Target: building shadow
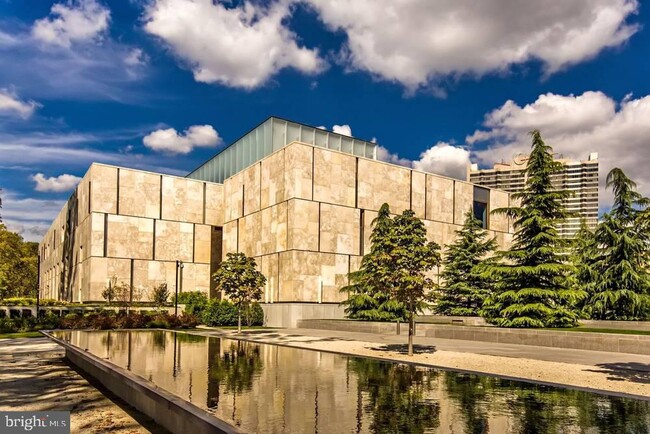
625	371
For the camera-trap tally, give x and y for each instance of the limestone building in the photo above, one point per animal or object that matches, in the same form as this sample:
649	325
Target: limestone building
580	177
298	199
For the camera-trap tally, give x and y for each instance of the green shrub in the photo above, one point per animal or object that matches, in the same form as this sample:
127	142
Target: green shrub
254	315
220	313
50	321
195	302
8	325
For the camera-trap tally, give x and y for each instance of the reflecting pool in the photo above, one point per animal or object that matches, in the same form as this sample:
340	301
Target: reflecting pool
275	389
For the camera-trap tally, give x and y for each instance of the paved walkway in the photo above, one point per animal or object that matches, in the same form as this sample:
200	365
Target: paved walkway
34	376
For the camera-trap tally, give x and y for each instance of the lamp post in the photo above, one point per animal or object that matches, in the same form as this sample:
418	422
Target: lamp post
179	266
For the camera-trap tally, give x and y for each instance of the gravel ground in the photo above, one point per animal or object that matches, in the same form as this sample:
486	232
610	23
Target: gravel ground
34	376
625	378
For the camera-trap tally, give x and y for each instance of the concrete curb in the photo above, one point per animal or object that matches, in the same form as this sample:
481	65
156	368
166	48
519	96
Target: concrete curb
168	410
609	342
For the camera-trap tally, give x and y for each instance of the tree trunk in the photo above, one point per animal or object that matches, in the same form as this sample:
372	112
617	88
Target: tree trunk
239	321
411	327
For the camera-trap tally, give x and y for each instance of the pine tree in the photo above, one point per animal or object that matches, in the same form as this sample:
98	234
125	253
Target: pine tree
464	286
533	289
620	281
412	259
368	295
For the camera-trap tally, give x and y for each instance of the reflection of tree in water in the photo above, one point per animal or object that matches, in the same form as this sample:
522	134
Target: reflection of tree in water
396	396
159	339
234	369
538	409
472	392
613	415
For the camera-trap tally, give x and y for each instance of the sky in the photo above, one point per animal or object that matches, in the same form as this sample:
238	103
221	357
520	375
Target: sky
163	85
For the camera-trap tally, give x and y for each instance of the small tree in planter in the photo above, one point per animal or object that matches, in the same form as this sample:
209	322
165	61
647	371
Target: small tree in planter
238	277
412	258
160	295
109	293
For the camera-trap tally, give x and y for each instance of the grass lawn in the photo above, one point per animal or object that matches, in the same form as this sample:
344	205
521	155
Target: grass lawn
243	327
20	335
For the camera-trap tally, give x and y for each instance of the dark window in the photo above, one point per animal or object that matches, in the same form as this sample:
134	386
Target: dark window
480	205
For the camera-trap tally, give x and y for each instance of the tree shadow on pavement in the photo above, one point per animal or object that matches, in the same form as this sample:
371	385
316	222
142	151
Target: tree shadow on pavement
403	348
625	371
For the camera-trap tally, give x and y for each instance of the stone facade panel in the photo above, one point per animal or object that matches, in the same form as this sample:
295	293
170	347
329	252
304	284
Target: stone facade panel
273	188
418	193
339	229
230	241
380	183
302	225
498	222
139	193
182	200
214	204
202	243
174	241
269	268
463	201
440	199
274	228
129	237
334	177
252	188
298	171
250	240
103	190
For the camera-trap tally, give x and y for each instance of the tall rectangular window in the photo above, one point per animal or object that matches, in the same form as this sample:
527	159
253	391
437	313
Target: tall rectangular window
480	205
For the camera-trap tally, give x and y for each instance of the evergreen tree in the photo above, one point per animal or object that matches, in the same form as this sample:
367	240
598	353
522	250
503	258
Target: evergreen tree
464	286
412	259
584	254
368	295
533	289
620	282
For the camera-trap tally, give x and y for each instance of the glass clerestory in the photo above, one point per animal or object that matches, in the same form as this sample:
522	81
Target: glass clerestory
270	136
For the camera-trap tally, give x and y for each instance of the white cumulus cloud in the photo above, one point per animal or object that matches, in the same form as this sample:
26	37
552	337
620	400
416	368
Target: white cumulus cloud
12	105
239	46
59	183
342	129
417	42
171	141
574	126
444	159
74	21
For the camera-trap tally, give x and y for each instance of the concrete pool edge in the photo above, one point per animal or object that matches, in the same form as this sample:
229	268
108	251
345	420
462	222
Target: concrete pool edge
209	332
166	409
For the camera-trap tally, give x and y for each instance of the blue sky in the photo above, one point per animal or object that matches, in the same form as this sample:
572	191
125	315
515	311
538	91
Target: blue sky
163	84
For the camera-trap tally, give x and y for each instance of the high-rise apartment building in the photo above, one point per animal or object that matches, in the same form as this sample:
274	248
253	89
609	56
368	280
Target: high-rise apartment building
579	176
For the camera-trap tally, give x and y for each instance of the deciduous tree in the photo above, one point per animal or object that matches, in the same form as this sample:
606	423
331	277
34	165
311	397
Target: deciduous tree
238	277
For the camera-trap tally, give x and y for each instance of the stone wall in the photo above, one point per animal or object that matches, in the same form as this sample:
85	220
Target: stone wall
305	214
132	225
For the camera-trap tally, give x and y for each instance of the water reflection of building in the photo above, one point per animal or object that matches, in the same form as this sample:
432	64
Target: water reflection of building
268	388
